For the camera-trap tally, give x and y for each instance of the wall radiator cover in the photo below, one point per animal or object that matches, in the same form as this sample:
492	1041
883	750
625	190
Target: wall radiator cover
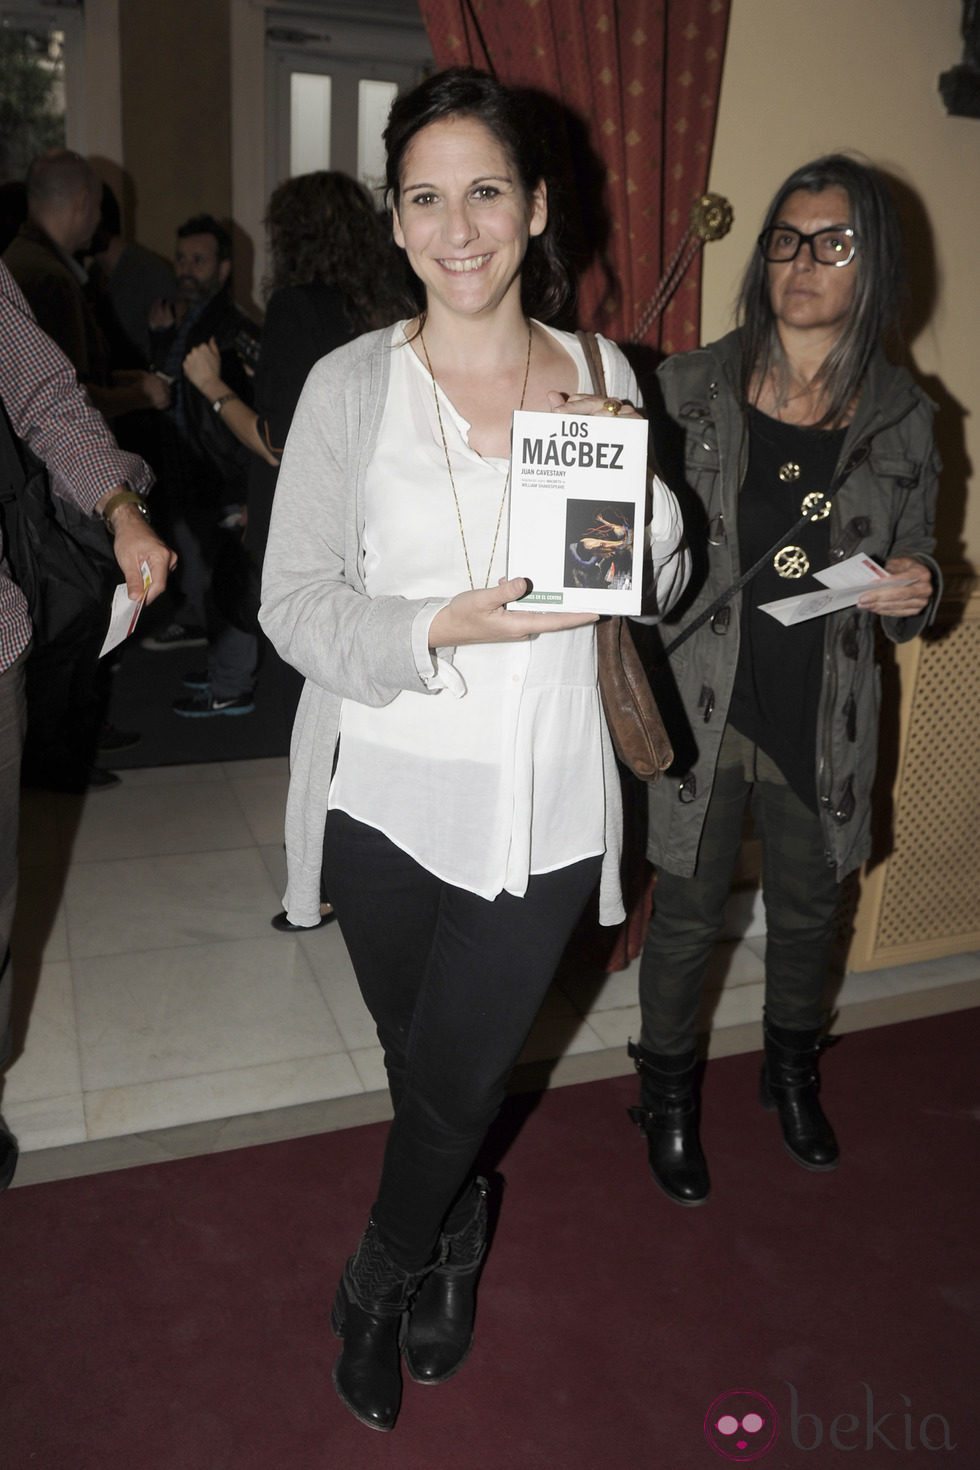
923	900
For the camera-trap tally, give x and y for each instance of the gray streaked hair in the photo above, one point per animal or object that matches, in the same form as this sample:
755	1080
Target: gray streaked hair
874	308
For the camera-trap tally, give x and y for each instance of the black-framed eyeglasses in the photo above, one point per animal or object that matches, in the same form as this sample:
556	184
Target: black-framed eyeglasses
827	247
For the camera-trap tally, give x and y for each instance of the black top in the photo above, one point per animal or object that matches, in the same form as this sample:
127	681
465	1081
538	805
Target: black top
302	324
777	683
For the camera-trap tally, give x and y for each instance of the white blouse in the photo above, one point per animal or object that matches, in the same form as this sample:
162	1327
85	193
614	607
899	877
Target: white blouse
502	774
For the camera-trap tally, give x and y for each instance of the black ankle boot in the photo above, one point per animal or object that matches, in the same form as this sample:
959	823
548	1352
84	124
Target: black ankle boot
668	1115
372	1298
790	1084
440	1324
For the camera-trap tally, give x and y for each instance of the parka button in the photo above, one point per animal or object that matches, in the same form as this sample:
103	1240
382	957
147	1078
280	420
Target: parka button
688	789
845	808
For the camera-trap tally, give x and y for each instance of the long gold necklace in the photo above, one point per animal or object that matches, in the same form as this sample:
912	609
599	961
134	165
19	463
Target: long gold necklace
449	467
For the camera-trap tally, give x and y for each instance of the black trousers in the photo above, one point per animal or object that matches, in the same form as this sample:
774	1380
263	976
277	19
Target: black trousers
454	983
68	690
800	891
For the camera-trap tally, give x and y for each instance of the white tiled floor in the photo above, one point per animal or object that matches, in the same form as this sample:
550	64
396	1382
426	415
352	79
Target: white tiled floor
161	1015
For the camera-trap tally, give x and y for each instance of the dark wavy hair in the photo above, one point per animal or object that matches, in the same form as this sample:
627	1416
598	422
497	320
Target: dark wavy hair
508	113
877	296
323	227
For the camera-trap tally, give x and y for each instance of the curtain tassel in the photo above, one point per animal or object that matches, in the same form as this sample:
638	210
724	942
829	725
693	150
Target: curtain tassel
711	218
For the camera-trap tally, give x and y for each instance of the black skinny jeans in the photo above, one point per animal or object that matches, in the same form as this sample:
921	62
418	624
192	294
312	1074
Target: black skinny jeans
800	890
454	983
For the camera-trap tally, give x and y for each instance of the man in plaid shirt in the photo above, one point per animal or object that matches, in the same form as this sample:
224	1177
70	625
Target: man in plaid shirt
50	412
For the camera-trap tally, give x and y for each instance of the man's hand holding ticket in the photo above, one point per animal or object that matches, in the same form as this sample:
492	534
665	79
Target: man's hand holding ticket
124	614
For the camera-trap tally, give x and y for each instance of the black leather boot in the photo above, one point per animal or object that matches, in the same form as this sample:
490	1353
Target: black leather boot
668	1115
440	1324
790	1084
372	1298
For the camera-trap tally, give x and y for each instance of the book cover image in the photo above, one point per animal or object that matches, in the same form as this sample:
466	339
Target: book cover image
577	502
599	545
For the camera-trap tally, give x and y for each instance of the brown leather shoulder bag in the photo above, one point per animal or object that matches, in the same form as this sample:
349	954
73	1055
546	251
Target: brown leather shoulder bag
634	722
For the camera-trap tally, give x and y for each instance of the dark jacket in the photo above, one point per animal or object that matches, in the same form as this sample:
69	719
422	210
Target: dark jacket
885	508
57	298
209	446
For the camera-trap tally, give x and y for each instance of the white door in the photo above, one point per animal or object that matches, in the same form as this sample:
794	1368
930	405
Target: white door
330	86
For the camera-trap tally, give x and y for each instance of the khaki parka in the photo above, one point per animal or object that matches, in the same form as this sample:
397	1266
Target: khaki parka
885	508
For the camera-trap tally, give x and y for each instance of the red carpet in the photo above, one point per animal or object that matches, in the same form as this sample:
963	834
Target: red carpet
175	1317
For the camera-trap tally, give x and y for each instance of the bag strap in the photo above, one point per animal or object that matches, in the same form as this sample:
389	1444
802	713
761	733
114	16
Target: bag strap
13	473
594	359
856	458
13	479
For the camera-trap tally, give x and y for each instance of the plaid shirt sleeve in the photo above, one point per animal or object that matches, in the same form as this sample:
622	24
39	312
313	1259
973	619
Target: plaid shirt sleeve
49	410
51	413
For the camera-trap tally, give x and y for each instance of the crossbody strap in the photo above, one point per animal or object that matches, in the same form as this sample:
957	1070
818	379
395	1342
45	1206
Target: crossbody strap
856	458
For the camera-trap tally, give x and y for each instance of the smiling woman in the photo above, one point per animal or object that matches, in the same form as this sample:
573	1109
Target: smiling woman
465	233
442	725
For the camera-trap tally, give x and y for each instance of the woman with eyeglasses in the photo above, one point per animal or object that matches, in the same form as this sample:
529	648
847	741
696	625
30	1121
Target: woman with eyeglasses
799	445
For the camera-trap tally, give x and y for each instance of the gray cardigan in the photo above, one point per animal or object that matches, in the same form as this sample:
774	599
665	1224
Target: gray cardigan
316	612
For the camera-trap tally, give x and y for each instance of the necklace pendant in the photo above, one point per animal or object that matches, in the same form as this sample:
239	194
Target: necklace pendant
815	505
449	467
791	562
789	472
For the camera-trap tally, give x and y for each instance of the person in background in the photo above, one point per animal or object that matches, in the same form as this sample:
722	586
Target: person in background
13	210
64	195
128	280
334	273
203	469
44	406
802	446
441	724
125	281
67	688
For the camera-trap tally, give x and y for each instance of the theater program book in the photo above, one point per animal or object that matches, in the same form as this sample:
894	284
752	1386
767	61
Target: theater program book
577	505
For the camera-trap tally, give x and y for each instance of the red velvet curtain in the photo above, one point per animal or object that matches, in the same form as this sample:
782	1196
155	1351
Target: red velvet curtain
644	75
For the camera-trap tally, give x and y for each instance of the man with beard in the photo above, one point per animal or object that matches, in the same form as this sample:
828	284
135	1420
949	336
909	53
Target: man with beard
203	467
